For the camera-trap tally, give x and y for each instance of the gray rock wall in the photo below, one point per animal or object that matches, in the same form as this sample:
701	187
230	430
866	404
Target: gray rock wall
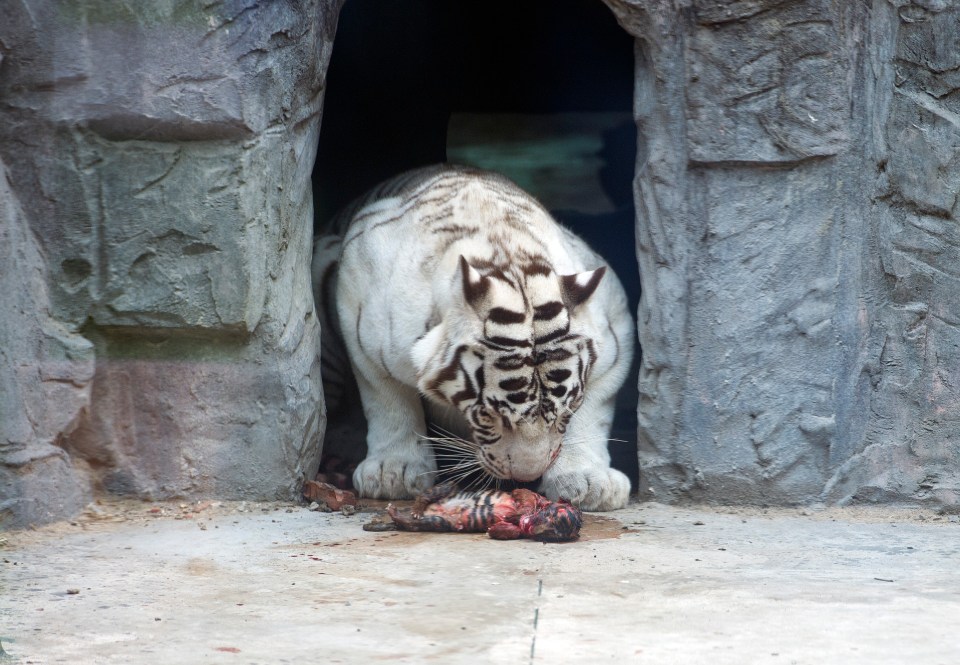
798	242
45	377
797	235
161	155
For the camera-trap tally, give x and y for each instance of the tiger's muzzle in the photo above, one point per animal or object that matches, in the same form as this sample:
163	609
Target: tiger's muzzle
522	454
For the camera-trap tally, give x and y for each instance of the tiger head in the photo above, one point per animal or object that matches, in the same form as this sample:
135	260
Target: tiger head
511	361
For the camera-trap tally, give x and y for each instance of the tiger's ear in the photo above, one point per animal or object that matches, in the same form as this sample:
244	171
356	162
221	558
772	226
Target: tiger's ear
578	288
475	285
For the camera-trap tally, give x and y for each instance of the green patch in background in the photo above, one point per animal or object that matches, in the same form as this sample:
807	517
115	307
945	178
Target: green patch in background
557	157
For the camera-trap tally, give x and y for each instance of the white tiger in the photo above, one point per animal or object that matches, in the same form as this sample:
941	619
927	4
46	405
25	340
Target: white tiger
455	285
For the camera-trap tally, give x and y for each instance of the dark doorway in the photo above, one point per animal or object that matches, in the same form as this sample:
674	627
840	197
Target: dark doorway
541	90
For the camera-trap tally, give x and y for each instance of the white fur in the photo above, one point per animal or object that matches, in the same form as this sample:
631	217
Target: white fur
400	298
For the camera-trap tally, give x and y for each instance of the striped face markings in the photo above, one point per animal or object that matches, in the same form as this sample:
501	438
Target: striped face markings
498	388
543	385
507	323
526	368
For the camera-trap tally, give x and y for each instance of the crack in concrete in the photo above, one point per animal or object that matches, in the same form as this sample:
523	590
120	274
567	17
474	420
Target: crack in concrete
536	618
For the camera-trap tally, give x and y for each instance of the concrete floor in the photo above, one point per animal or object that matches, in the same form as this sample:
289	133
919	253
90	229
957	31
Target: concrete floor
245	583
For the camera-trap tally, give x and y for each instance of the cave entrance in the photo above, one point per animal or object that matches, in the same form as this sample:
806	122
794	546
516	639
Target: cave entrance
541	91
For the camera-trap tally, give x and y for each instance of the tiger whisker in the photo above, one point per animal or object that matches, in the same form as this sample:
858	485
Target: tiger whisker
448	443
451	453
445	433
442	437
448	447
463	460
454	456
458	478
456	459
487	482
449	440
591	439
459	464
586	427
458	471
460	458
442	430
465	469
452	450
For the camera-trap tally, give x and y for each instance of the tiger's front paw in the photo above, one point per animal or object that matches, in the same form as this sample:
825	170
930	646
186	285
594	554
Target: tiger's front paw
394	477
590	488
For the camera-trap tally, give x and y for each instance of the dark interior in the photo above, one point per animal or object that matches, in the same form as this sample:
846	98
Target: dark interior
405	75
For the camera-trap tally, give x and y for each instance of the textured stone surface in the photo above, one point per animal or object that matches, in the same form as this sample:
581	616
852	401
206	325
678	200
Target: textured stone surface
766	82
45	376
162	154
798	242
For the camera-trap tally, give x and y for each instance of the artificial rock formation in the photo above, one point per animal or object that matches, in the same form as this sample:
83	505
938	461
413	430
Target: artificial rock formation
45	377
798	241
158	157
797	235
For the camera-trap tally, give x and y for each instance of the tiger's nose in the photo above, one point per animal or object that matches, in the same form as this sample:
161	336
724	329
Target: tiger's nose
524	477
528	468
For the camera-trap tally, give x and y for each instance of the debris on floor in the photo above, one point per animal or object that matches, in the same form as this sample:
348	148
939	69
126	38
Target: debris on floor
328	495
